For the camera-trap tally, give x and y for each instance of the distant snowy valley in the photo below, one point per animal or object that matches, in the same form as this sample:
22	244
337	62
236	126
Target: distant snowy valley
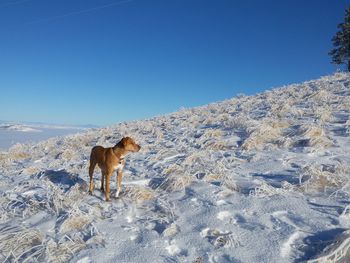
12	133
261	178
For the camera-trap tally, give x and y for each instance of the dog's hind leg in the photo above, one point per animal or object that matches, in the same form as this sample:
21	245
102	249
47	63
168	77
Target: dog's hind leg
108	177
102	181
91	173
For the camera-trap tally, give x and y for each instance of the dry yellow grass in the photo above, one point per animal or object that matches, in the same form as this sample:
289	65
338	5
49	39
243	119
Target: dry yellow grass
195	157
7	158
317	136
138	193
213	133
176	182
321	96
212	177
18	155
173	168
64	250
324	113
230	184
17	241
4	160
68	154
171	230
216	146
269	132
75	222
31	170
224	117
225	180
320	180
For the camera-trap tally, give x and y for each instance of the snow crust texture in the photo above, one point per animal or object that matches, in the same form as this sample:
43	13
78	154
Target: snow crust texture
261	178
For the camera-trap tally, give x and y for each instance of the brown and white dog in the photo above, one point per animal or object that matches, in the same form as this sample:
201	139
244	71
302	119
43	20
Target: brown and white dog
109	160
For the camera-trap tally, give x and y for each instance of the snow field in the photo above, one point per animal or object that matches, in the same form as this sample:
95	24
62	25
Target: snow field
261	178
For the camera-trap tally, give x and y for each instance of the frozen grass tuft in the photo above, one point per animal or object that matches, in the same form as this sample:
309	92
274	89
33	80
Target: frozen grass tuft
229	183
286	109
176	182
17	153
171	230
18	244
316	136
324	114
31	170
5	160
75	221
266	133
218	145
138	193
172	169
321	96
265	190
197	157
320	179
64	249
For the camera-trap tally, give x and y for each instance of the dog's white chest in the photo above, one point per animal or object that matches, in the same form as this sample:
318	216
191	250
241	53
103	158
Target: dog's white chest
119	167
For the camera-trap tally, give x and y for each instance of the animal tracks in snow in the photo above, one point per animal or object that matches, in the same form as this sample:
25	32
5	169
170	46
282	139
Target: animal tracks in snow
220	238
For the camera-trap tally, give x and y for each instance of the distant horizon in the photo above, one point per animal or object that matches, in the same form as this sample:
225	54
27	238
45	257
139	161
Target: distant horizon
34	123
105	62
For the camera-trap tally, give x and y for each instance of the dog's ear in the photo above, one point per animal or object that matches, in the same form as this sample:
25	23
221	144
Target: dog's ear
124	141
121	143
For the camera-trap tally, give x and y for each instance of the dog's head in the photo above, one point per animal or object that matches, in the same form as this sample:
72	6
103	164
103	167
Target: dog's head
129	144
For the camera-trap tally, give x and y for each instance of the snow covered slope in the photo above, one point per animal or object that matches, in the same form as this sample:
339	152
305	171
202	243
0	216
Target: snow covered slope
263	178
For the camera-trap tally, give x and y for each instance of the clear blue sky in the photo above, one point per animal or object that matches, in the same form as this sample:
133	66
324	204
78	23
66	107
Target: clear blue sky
106	61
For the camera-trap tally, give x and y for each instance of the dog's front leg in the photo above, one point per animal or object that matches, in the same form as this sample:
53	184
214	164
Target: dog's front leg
119	183
91	173
108	177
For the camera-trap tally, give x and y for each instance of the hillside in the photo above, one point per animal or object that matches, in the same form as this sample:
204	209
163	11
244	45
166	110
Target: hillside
261	178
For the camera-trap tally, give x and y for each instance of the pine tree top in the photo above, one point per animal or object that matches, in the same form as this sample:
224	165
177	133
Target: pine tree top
341	42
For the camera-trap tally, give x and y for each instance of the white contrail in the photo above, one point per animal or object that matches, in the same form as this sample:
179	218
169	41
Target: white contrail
13	3
78	12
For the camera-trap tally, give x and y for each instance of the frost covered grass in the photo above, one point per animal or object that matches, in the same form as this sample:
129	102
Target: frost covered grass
249	179
64	249
319	180
18	244
176	182
75	220
138	193
316	136
265	133
325	177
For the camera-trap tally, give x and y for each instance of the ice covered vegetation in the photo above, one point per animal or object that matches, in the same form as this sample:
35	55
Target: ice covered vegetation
261	178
